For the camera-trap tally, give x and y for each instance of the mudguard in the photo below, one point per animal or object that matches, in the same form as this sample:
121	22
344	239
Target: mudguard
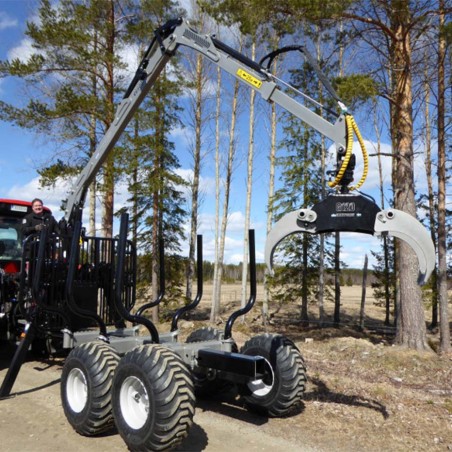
356	213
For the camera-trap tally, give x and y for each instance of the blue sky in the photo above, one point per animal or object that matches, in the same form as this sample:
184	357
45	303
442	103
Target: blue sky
22	152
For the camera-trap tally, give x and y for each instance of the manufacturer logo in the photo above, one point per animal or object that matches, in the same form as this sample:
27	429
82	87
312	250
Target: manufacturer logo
345	207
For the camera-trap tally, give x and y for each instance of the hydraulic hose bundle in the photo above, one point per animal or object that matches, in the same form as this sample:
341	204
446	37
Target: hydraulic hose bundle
352	128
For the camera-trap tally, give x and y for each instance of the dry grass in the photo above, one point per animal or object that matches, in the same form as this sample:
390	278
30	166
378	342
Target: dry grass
363	393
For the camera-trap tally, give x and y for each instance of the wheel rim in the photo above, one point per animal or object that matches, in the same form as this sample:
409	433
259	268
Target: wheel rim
134	402
262	387
77	390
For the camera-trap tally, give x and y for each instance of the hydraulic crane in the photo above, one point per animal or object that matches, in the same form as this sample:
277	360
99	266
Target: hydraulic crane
342	210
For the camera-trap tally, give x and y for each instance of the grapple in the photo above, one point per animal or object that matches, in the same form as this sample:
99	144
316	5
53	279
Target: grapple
356	213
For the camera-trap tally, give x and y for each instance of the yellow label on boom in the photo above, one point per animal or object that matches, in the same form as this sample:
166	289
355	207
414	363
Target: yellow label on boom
249	78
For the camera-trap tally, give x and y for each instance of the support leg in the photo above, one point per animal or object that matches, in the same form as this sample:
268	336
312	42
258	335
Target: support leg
17	361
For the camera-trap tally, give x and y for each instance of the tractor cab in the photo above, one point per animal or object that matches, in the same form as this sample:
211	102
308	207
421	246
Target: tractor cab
12	213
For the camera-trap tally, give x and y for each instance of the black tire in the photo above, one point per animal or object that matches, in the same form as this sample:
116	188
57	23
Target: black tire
204	334
206	383
282	390
86	383
153	399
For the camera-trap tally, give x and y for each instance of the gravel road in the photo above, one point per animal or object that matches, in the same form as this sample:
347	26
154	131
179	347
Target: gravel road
32	419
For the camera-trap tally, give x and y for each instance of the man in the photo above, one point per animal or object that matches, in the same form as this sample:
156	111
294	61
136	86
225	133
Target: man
33	223
38	219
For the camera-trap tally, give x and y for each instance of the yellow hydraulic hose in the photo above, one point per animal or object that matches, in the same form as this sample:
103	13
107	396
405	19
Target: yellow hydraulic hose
364	152
352	127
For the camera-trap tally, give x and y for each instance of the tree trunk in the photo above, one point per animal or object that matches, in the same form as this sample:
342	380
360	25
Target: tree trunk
92	209
249	188
109	168
215	309
157	218
227	187
92	187
196	173
93	146
337	234
134	184
304	282
442	233
155	255
385	238
431	195
363	294
411	330
337	278
271	194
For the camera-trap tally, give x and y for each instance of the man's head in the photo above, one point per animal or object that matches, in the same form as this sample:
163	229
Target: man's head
37	206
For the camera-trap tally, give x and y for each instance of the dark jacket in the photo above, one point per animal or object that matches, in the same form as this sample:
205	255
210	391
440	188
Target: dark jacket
32	220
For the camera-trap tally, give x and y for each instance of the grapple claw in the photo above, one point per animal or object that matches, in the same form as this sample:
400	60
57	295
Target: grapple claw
302	220
405	227
355	213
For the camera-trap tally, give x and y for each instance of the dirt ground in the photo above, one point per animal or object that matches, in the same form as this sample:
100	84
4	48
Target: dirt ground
363	393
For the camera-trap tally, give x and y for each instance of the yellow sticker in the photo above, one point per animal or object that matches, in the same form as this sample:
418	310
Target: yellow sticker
249	78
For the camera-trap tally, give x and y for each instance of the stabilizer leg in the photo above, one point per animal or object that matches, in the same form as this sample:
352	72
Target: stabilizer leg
18	360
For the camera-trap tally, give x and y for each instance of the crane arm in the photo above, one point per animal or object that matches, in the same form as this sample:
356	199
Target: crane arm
167	39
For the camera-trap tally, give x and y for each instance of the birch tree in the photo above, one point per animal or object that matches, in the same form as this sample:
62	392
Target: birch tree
196	121
215	308
226	197
249	183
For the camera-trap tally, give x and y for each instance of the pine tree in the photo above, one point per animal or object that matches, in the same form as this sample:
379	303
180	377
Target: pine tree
73	74
156	188
300	190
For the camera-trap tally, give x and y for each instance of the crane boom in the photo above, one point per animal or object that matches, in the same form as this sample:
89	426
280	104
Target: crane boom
164	45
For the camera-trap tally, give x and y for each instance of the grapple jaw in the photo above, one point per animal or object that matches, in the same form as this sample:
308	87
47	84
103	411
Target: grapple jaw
355	213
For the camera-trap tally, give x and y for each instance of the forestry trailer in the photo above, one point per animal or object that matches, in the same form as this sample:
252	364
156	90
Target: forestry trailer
79	292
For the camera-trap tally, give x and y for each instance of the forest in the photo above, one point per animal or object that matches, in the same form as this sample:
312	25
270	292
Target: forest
388	61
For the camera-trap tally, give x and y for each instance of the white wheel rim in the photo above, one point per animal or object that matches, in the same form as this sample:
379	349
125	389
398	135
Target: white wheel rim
77	390
134	402
260	388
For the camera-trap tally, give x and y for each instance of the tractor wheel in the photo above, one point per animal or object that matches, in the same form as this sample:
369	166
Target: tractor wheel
153	398
86	383
282	389
206	383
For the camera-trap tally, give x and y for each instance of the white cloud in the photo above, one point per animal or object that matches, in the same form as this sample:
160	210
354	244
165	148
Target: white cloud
206	184
354	247
209	88
52	197
236	221
130	55
7	22
22	51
